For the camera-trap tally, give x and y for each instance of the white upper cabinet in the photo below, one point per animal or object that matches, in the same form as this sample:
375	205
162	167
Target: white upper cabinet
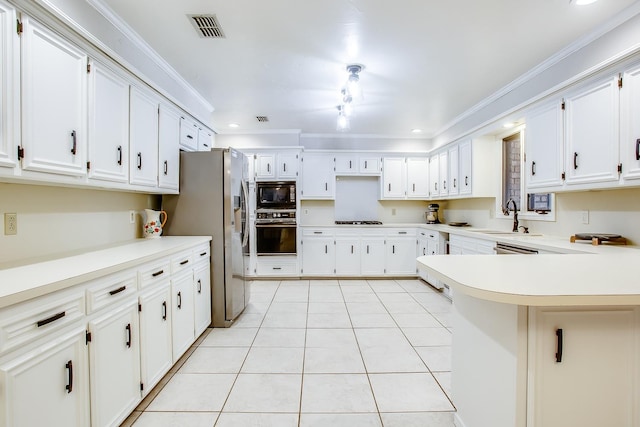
54	102
443	172
9	51
417	177
434	176
394	178
108	125
346	164
591	131
465	164
287	166
318	176
630	124
188	134
351	163
282	165
168	148
143	138
369	165
544	146
265	166
205	139
454	170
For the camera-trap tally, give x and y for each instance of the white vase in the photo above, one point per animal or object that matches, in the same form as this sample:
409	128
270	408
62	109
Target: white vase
152	227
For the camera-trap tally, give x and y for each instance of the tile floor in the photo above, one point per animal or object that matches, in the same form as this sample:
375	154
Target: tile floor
316	353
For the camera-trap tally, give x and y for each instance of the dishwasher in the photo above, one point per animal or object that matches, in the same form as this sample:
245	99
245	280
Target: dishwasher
508	249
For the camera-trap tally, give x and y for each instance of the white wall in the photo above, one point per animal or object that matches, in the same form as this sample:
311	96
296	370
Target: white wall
322	212
54	220
255	140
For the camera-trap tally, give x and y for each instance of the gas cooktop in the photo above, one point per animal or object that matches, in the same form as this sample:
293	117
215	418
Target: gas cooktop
358	222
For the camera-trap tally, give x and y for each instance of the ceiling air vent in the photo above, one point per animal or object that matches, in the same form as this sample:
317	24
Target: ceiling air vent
207	26
262	119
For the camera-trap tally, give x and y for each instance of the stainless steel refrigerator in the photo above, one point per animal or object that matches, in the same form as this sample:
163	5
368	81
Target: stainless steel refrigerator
213	201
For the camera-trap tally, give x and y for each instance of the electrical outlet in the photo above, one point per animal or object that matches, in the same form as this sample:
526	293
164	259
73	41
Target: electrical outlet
10	224
585	217
132	217
393	211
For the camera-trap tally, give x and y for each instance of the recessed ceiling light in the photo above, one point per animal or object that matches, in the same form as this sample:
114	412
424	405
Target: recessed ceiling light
234	125
416	130
584	2
508	125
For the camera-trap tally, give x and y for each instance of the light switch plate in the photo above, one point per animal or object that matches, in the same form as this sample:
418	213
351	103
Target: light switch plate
585	217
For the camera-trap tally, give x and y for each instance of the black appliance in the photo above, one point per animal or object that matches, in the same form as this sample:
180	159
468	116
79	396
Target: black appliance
276	232
276	195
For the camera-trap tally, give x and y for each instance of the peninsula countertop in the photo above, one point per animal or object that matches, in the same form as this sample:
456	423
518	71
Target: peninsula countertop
541	280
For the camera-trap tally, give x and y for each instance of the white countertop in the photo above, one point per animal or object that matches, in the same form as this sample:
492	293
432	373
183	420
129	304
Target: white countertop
541	280
28	281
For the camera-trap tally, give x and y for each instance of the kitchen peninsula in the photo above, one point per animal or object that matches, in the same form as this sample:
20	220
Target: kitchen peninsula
545	340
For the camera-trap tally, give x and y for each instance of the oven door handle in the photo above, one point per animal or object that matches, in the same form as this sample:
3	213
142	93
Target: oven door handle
245	229
277	224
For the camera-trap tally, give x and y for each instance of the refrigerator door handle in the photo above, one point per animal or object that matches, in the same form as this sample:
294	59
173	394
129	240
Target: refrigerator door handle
245	228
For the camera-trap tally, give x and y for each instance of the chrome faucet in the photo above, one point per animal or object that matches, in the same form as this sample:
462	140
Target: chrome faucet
515	214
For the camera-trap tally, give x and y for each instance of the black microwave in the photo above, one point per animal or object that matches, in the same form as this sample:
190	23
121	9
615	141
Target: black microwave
276	195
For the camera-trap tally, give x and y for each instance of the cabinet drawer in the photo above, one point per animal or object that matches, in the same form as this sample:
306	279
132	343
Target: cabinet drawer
154	272
181	262
202	253
308	232
28	321
277	267
409	232
111	289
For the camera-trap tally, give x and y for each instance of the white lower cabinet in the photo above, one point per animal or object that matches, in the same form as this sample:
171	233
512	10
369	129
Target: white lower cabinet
348	255
182	313
48	385
401	254
318	248
114	360
372	255
202	297
156	351
583	367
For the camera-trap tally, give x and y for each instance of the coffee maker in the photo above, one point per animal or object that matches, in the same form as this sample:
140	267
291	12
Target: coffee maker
432	213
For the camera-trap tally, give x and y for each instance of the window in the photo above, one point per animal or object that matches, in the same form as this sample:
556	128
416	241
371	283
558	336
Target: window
529	205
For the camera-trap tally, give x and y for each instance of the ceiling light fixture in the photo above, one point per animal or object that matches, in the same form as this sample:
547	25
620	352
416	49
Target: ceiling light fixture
416	130
353	81
350	93
583	2
343	121
234	125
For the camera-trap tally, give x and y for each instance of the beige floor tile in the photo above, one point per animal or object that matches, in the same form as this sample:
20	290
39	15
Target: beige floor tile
434	303
290	294
411	392
288	307
415	285
325	294
215	360
366	307
353	282
285	320
336	360
444	319
387	350
274	393
274	360
280	337
232	419
230	337
438	359
322	320
331	393
340	420
330	338
249	320
383	286
193	392
444	379
176	419
361	297
327	307
380	320
411	307
415	320
418	419
422	337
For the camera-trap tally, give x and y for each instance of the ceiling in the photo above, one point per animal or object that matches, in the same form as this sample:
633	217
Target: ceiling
426	61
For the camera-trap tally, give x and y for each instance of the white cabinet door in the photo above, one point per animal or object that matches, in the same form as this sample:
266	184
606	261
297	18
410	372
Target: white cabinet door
347	256
318	176
630	124
182	313
465	162
114	361
319	258
369	165
443	173
265	166
454	170
168	148
592	146
544	146
188	134
418	177
423	250
287	166
394	178
54	103
346	164
372	252
156	354
143	138
569	385
202	297
9	93
48	386
401	256
205	139
108	125
434	176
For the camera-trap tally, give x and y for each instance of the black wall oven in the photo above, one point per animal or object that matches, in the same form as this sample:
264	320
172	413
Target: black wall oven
276	236
276	195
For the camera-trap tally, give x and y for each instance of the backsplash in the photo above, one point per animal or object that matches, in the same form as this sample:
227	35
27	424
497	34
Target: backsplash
322	212
56	220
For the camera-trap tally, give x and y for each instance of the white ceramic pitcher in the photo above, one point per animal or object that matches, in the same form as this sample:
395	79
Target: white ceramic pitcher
152	225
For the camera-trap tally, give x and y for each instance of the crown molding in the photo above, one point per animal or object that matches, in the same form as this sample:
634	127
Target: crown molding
362	136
